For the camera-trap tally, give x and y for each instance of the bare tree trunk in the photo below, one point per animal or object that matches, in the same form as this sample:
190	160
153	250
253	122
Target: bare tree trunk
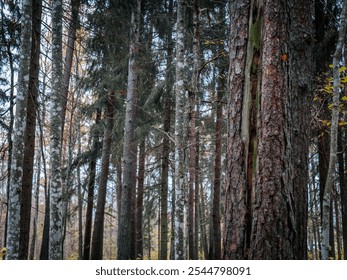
179	122
238	184
266	203
55	238
197	193
29	134
13	208
333	136
215	239
10	127
98	234
70	47
166	143
90	195
128	177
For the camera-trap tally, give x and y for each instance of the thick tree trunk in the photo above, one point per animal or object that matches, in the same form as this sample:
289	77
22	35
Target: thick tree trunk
238	185
98	234
279	221
30	132
13	208
128	176
266	205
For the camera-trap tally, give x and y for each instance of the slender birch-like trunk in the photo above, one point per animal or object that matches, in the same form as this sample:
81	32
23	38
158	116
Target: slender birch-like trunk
55	233
333	136
13	216
179	135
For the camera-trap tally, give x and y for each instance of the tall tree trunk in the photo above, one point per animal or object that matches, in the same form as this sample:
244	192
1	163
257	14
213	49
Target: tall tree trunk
333	136
239	179
13	208
98	233
192	131
11	124
164	182
91	184
70	47
267	131
166	143
29	134
128	178
279	219
179	123
197	232
215	239
55	237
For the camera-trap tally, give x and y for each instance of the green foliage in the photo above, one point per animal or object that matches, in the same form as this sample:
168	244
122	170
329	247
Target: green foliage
323	96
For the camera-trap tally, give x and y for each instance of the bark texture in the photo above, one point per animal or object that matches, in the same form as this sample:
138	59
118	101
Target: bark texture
268	124
98	234
55	232
13	218
179	123
128	188
30	131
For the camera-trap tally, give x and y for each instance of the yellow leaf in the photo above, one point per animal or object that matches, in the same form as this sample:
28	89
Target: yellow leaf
342	123
342	68
344	98
331	66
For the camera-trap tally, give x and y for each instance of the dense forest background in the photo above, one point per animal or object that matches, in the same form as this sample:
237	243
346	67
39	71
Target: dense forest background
173	129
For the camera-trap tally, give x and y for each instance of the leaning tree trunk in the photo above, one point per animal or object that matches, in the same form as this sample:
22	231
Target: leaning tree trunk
128	178
55	233
333	137
13	209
